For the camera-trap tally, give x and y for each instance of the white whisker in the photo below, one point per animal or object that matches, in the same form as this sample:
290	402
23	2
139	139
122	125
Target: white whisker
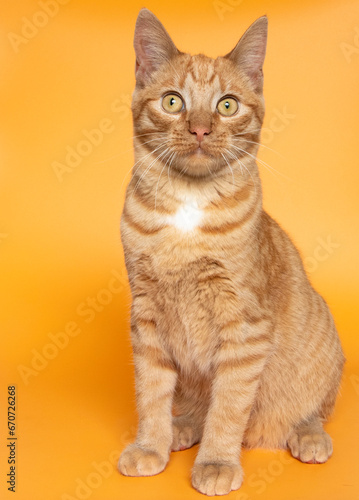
149	133
123	151
148	169
140	160
159	178
225	159
235	158
269	168
169	169
248	132
241	164
263	146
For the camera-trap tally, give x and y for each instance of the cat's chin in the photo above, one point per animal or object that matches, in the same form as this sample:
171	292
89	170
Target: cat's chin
197	164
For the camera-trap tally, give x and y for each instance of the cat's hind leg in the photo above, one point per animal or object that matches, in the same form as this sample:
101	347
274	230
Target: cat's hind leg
190	405
186	432
309	442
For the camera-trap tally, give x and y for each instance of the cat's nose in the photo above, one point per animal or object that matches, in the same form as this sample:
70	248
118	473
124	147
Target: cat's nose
200	132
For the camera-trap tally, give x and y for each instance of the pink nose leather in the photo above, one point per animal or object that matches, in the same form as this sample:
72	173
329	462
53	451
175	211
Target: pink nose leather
200	132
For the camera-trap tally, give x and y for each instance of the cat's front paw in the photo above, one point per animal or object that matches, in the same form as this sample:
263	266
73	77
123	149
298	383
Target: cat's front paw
216	478
137	461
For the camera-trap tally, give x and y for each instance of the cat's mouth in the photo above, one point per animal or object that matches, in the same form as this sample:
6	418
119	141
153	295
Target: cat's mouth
199	155
198	159
200	150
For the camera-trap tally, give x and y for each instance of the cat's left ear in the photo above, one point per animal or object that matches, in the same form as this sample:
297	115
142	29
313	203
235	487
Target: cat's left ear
250	51
153	46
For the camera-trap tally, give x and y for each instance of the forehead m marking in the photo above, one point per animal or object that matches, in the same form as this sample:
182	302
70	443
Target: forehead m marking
202	81
202	69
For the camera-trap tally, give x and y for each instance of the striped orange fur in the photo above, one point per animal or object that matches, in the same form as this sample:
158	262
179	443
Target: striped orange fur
232	345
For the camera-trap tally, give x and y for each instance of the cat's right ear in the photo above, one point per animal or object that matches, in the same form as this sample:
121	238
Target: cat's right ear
153	46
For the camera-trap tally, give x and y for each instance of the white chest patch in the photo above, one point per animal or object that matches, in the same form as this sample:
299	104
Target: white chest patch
187	217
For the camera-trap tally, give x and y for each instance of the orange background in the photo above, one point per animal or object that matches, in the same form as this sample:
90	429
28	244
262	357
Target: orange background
61	262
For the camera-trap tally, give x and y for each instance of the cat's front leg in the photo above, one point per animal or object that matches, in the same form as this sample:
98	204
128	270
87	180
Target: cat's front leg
155	384
238	366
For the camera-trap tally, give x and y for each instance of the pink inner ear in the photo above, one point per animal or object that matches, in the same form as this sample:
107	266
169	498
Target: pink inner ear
146	56
153	45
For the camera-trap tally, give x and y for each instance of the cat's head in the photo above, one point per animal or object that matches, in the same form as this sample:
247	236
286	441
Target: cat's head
197	115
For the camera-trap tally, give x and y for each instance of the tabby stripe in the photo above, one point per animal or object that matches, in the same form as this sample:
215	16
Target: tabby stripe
153	356
254	107
192	73
231	416
264	338
151	401
140	229
149	146
212	279
227	226
247	409
327	344
229	343
250	360
157	120
243	122
232	200
254	320
232	364
231	324
143	200
138	110
320	336
146	323
143	132
254	378
211	79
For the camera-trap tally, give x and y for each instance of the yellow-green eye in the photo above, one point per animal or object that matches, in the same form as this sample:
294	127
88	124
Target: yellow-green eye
172	103
227	106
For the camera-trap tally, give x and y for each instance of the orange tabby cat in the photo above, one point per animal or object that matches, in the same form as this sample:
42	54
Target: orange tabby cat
228	334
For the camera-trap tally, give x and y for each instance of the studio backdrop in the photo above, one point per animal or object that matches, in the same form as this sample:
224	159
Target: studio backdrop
67	398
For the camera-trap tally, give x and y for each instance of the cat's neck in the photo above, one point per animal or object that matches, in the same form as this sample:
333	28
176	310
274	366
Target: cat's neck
167	190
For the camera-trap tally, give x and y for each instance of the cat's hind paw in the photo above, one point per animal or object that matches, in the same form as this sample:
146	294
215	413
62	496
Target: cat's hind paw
185	434
312	447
